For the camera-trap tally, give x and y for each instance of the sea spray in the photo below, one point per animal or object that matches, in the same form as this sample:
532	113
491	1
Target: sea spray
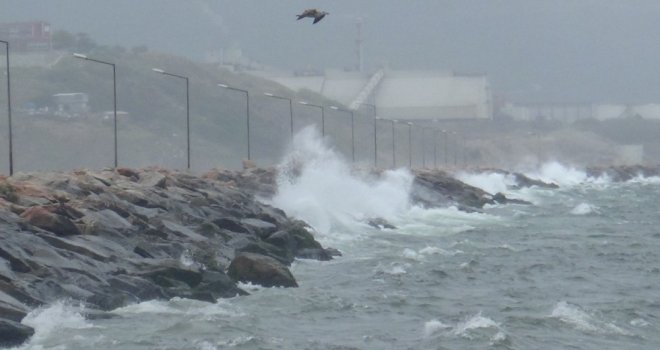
491	182
316	185
564	176
50	320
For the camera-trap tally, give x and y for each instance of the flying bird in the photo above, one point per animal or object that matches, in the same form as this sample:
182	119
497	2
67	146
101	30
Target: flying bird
314	13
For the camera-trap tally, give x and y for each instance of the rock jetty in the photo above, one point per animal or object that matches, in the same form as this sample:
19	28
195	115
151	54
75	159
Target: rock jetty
110	238
118	236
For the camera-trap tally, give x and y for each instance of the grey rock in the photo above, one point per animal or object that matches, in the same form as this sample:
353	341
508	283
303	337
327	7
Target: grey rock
13	333
261	228
260	269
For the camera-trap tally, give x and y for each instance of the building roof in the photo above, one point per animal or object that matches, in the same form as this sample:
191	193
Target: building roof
406	94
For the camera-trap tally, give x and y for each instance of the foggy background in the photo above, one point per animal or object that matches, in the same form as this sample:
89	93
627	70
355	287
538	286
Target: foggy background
559	50
553	52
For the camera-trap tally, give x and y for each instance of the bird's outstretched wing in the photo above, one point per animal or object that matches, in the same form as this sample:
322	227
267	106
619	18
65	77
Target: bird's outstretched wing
318	18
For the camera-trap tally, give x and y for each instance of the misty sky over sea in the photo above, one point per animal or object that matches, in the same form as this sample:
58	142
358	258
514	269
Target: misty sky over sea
546	50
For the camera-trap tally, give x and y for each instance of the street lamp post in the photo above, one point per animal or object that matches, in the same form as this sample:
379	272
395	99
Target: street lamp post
435	149
352	128
157	70
423	148
455	148
373	107
11	143
393	144
290	108
445	137
410	144
114	95
247	114
376	119
305	103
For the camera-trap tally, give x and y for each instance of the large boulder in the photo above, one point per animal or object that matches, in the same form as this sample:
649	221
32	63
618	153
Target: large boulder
215	285
44	218
260	269
13	333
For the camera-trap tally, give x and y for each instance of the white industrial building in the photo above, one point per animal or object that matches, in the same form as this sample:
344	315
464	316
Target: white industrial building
412	95
574	112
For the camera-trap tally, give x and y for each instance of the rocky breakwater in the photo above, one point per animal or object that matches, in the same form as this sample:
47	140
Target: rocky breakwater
437	188
115	237
623	173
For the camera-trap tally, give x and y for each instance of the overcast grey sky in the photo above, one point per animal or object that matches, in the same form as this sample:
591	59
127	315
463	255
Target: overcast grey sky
533	50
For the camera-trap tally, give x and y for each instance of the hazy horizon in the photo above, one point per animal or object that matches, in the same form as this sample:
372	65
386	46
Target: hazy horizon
553	51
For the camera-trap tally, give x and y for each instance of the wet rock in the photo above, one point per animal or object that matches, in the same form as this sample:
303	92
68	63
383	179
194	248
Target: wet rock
13	333
153	179
45	219
180	230
314	253
215	285
130	173
524	181
261	228
260	247
172	276
11	312
439	189
260	269
231	225
380	224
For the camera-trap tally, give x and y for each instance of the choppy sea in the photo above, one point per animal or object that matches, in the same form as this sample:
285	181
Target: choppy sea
578	269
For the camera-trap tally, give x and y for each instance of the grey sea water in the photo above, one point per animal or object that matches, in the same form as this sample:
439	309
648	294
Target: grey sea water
578	269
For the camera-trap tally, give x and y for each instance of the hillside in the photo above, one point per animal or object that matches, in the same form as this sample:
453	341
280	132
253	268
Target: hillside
153	132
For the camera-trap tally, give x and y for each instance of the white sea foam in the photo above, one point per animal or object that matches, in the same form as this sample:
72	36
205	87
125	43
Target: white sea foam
182	306
475	322
52	320
434	326
564	176
427	251
639	322
315	184
488	181
584	321
441	221
466	328
584	209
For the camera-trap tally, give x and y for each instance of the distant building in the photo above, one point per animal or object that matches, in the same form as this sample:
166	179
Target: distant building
411	95
27	36
71	103
562	112
572	112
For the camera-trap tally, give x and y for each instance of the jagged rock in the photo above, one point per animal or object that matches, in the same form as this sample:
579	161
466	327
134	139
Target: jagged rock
260	247
13	333
141	229
11	312
153	179
380	224
45	219
261	228
231	225
314	253
260	269
524	181
215	285
438	189
130	173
